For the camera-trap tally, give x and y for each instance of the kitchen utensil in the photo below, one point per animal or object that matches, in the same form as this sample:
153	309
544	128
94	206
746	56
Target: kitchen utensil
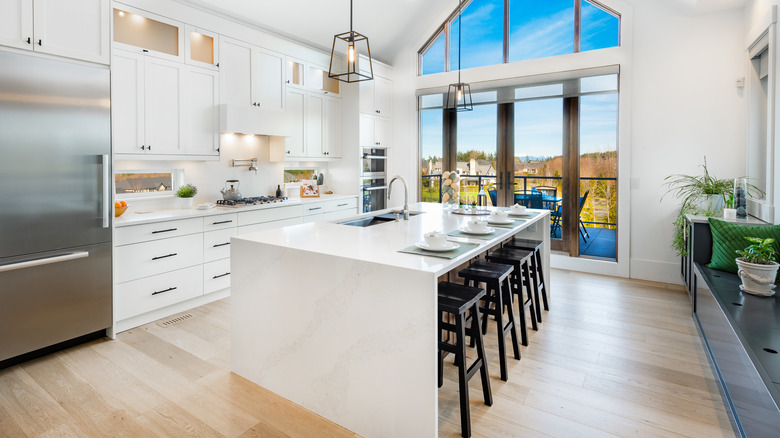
231	193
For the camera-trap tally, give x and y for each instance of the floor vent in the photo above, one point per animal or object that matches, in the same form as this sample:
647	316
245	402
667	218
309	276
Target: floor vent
175	320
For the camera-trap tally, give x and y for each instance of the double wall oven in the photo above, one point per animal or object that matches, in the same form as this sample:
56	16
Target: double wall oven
373	179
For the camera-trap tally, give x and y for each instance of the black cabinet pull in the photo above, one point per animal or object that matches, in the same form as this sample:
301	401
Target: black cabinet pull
164	257
217	276
39	42
221	244
145	51
29	40
217	65
222	222
315	208
343	205
150	147
378	112
143	147
164	231
164	290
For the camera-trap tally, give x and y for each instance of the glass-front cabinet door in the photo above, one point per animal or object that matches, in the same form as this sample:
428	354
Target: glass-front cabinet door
200	47
295	73
319	80
136	30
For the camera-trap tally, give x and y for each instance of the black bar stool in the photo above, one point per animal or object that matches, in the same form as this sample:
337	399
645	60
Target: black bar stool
457	299
537	273
493	275
521	261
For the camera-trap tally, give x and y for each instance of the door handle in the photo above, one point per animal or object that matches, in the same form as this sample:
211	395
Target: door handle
29	40
221	244
46	261
39	42
221	222
106	193
164	231
165	290
222	275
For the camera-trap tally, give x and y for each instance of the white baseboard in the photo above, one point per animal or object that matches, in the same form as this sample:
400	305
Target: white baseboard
135	321
653	270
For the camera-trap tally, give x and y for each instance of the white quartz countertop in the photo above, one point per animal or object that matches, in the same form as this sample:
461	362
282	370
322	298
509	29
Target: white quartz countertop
135	217
381	243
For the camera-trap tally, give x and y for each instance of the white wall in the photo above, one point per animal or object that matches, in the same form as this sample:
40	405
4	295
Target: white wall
685	106
678	102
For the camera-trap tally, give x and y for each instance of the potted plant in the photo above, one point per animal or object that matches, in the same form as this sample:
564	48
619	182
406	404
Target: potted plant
185	195
757	267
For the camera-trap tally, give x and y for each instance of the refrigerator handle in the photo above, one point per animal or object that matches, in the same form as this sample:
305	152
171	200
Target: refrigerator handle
46	261
106	191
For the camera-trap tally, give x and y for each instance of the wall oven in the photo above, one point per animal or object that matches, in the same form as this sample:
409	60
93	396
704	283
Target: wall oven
373	179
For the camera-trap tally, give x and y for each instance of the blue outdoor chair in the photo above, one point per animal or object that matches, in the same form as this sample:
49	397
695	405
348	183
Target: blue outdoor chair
493	199
558	214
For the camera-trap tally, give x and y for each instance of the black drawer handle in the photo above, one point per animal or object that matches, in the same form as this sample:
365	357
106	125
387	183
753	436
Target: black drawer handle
165	290
315	208
222	222
223	275
163	257
164	231
342	205
221	244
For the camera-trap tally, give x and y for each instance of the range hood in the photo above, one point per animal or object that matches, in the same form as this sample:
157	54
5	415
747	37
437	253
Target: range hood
241	119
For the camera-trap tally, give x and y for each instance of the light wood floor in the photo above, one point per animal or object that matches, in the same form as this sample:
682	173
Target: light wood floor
612	358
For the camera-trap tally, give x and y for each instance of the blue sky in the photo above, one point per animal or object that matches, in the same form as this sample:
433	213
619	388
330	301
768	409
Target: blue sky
537	29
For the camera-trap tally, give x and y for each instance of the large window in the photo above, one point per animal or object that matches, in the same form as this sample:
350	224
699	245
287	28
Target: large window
563	155
501	31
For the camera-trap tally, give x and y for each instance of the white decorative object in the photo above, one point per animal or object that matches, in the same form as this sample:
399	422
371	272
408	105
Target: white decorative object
435	239
729	213
517	209
757	279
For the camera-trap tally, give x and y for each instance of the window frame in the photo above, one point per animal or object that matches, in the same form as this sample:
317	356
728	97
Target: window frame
447	25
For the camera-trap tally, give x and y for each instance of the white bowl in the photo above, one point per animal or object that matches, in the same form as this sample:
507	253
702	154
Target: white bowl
477	225
517	209
498	215
435	239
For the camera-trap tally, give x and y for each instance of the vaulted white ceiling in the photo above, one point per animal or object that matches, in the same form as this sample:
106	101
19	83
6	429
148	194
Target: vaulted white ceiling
390	25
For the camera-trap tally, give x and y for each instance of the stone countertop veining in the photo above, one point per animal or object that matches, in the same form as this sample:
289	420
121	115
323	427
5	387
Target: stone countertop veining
131	217
381	243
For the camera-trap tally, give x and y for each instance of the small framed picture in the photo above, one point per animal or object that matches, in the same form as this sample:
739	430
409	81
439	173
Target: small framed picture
309	189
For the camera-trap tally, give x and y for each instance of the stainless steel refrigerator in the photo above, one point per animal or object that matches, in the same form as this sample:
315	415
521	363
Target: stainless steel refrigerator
55	205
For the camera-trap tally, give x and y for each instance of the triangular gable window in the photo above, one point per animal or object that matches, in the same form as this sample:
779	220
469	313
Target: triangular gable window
500	31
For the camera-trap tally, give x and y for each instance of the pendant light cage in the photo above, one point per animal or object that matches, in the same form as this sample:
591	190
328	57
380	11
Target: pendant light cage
345	61
459	94
345	58
459	97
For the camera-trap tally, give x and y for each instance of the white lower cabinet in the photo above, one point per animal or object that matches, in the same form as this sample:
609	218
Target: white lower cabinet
216	275
167	267
157	291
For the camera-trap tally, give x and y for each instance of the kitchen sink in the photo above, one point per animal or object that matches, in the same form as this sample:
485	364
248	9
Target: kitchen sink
375	220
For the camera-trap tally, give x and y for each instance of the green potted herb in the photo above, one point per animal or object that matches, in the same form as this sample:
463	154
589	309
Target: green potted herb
185	194
758	266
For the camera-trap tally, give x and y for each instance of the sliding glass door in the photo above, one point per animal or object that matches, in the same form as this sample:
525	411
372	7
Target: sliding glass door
550	146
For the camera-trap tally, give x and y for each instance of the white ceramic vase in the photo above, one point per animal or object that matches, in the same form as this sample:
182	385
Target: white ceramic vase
757	279
184	203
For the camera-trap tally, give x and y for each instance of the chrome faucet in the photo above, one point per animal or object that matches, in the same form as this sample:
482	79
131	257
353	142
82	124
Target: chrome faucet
406	194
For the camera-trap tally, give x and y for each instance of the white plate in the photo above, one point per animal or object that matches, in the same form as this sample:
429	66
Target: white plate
519	214
449	247
506	222
477	233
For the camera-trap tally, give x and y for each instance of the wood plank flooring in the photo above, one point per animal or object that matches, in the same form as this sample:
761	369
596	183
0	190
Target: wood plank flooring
613	357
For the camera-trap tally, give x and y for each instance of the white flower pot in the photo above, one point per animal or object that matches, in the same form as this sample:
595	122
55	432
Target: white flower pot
757	279
184	203
711	203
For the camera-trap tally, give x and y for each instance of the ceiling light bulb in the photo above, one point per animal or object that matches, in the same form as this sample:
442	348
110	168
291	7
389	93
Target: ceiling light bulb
351	53
459	94
121	13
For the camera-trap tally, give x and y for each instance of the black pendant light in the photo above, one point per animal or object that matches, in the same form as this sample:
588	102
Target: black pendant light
459	94
345	60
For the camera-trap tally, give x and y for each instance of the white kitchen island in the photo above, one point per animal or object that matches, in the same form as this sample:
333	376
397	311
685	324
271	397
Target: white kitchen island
335	319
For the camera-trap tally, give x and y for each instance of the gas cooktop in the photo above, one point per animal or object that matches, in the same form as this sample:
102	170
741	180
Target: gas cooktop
256	200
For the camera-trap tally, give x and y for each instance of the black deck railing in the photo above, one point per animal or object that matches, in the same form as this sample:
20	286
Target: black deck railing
431	187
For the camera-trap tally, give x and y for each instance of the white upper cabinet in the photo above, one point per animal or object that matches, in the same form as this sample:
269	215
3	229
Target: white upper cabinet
201	111
375	132
296	110
315	132
235	69
321	82
16	23
201	47
127	102
71	28
267	79
332	146
140	31
251	75
376	97
295	73
163	81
